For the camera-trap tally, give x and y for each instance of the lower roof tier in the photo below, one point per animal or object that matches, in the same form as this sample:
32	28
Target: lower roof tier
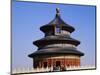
54	51
56	39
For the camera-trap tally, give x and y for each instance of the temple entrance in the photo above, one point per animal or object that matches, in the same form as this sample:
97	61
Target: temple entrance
45	64
58	64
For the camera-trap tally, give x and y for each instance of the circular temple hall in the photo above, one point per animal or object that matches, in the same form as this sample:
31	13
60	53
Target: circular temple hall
57	49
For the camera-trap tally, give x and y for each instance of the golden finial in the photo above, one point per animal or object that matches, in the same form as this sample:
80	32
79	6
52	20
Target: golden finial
58	11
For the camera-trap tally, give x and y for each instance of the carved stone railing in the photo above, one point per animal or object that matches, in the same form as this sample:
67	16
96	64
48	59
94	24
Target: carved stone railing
31	70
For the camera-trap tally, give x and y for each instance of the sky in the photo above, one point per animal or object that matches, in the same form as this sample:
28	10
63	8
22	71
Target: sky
28	17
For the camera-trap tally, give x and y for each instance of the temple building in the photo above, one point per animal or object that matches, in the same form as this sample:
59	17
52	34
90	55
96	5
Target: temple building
57	49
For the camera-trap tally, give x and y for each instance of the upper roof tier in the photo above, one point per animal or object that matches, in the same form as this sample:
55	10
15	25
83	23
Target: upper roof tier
57	21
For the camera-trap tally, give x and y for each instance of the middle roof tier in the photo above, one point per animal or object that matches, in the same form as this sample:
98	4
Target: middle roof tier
56	39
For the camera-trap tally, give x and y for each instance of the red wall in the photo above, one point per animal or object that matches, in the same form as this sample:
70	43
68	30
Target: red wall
69	62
